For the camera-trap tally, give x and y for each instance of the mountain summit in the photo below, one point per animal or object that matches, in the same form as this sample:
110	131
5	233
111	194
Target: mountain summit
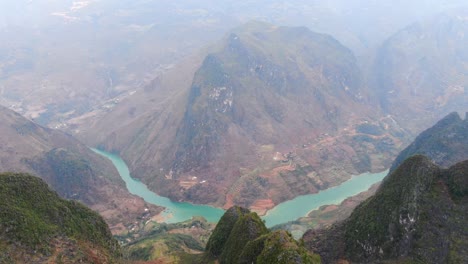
266	117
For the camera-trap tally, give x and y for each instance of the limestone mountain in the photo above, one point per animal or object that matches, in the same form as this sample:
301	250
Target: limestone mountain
37	226
419	211
418	214
445	143
267	115
422	70
68	166
241	237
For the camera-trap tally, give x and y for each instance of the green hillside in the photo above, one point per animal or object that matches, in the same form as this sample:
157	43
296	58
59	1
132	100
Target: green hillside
36	225
241	237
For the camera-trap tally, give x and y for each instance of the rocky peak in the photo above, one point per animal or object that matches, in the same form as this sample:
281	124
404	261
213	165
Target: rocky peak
444	143
241	237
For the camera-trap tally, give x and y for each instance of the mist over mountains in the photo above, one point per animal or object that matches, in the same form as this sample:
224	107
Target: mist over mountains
132	77
91	54
230	103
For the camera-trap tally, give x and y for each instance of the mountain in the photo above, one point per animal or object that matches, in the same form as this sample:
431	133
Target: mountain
69	167
419	212
241	237
56	63
445	143
266	117
422	70
37	226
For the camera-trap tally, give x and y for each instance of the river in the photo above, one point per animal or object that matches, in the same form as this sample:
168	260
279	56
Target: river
282	213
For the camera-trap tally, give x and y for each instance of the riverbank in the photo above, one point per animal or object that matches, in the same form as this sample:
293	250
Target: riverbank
282	213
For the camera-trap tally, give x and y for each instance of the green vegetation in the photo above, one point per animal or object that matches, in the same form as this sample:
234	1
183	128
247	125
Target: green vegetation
224	227
444	143
161	246
247	228
241	237
68	172
176	242
457	181
369	129
33	218
397	202
418	215
281	248
413	215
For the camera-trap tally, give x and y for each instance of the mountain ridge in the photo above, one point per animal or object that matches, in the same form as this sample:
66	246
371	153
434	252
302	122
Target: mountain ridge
419	211
69	167
245	126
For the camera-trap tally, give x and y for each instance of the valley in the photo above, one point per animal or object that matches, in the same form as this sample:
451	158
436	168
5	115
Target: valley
300	206
265	153
70	168
233	132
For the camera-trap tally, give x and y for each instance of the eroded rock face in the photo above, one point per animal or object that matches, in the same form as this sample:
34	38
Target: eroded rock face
417	214
445	143
385	226
241	237
220	235
267	116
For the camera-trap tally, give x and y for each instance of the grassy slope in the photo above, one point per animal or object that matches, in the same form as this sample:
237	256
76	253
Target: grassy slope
35	223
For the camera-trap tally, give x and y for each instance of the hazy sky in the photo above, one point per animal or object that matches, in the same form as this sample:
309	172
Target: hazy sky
359	24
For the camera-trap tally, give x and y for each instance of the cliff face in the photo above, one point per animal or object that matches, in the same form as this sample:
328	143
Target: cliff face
416	214
266	117
241	237
263	80
419	213
445	143
37	226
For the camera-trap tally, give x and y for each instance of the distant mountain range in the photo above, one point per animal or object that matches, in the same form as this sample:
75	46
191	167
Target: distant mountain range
422	71
88	54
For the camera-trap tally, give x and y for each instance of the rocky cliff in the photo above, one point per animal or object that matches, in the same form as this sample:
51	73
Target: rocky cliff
241	237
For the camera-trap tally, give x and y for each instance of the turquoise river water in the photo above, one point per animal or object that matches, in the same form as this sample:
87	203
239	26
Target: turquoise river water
282	213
